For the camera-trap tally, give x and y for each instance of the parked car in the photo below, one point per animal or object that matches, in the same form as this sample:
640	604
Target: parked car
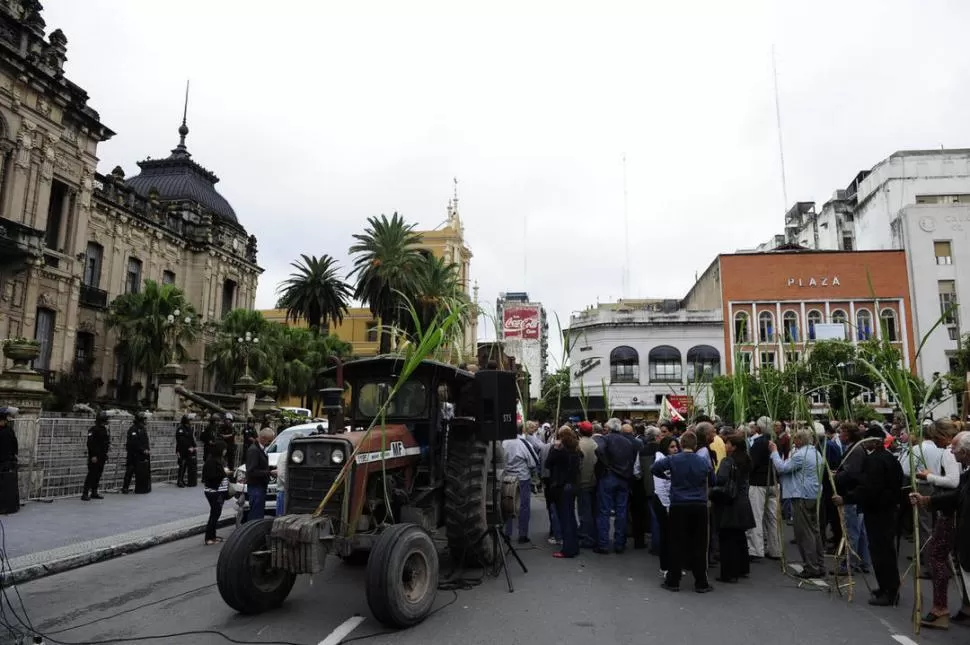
237	485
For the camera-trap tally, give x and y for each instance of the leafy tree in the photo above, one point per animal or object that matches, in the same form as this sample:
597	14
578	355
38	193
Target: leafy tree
224	357
146	340
386	270
315	292
555	388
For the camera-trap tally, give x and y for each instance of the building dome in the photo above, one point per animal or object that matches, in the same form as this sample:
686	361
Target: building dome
178	178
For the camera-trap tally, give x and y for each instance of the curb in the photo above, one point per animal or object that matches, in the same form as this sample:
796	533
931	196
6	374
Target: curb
51	567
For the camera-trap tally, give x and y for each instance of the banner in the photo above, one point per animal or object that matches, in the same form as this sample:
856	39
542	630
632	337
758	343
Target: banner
668	412
521	322
680	402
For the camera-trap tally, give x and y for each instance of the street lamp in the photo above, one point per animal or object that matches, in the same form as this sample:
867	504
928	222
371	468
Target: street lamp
246	345
175	323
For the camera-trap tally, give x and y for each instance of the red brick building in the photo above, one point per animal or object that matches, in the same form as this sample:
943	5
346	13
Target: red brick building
776	304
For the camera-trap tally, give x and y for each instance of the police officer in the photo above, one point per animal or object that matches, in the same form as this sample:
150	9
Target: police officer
209	436
250	434
99	441
9	449
185	450
138	462
228	434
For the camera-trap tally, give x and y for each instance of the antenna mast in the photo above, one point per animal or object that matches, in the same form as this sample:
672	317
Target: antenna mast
781	143
626	236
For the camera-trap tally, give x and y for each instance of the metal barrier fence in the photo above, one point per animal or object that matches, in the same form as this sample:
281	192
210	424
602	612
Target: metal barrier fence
55	465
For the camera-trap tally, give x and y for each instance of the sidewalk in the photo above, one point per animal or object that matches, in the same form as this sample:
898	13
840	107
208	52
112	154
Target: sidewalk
47	538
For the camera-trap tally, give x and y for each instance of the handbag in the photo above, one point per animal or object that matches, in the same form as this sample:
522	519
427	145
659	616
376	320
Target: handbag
726	493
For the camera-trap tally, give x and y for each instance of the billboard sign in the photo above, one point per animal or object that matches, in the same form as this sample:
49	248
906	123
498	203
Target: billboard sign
521	322
680	403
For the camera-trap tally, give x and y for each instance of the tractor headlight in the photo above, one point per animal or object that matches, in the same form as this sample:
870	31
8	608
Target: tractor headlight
337	456
297	457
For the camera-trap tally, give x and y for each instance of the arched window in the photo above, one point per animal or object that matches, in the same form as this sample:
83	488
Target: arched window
790	324
766	327
742	328
665	366
863	324
624	365
814	318
890	328
839	318
703	363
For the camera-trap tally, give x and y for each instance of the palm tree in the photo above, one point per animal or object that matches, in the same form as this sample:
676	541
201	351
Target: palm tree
385	269
224	357
315	292
146	340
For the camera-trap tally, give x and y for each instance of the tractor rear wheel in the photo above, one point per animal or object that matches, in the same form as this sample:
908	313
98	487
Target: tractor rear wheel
468	478
245	576
402	576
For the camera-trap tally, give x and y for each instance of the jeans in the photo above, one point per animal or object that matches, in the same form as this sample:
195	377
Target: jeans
525	509
613	496
857	538
587	526
215	511
567	520
257	501
280	500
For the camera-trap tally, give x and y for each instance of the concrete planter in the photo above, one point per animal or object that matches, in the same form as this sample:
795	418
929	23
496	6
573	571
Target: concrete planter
21	352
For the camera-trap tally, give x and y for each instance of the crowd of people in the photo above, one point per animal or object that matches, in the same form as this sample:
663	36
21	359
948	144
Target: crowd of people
709	494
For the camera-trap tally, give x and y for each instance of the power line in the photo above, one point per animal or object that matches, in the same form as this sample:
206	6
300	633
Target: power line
781	142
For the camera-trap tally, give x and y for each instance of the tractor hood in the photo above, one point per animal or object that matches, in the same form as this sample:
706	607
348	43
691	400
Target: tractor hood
394	440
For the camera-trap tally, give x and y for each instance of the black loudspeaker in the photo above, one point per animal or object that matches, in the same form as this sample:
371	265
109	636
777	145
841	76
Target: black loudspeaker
496	395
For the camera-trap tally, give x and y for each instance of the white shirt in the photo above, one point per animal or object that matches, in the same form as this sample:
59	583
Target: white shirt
661	486
950	471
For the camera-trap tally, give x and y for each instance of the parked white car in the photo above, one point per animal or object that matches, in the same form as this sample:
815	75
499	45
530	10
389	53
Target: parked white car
274	452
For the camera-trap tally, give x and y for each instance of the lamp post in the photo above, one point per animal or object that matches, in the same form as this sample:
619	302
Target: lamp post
175	322
247	344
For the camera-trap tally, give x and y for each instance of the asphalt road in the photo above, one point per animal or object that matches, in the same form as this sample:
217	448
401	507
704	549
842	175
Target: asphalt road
592	599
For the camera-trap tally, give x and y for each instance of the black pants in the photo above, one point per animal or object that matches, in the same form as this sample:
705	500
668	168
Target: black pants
231	456
140	467
216	501
93	480
830	514
688	543
880	525
131	462
663	522
734	554
188	470
9	488
639	513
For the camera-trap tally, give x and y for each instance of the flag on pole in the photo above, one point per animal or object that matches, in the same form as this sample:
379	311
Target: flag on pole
669	412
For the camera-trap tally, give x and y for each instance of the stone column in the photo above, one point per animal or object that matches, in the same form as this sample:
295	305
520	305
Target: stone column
170	377
23	388
246	386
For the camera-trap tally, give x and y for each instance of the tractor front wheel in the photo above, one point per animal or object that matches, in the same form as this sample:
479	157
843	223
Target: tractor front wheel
245	576
402	576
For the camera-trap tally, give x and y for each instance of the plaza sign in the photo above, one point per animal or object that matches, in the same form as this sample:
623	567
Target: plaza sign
824	281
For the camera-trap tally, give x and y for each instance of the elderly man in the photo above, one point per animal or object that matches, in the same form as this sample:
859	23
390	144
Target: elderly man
763	494
800	475
521	462
618	453
587	486
258	474
955	501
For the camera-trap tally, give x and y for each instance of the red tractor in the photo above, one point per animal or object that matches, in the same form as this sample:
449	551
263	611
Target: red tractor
428	470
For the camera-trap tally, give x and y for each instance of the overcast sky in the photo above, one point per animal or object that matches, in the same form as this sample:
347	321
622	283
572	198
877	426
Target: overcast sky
316	115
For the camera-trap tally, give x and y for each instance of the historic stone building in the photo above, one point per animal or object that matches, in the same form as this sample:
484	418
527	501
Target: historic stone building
72	240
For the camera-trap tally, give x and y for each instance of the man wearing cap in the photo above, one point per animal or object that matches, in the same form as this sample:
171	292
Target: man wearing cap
9	449
587	486
877	495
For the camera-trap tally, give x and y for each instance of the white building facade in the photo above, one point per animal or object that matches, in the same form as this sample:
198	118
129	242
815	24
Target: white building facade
524	333
937	242
642	351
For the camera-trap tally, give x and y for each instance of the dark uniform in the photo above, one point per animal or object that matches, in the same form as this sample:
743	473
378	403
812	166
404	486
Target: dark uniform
209	436
99	441
228	434
185	450
138	461
9	449
250	435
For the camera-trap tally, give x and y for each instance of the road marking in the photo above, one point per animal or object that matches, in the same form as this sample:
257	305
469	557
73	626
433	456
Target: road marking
342	631
903	640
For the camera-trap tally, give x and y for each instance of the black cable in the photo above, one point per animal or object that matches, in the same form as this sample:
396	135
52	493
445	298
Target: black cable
387	632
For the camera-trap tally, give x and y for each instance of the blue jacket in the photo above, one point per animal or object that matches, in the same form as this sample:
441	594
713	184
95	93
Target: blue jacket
618	452
690	475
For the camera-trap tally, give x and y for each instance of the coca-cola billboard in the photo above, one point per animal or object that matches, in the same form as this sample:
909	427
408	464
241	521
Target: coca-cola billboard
521	321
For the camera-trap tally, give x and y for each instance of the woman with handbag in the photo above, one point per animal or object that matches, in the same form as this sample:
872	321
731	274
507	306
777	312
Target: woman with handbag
732	509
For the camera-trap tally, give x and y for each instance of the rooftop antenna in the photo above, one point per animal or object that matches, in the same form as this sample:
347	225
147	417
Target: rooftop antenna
626	236
781	143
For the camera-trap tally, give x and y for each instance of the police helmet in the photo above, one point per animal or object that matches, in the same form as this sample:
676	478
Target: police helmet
185	418
101	417
141	415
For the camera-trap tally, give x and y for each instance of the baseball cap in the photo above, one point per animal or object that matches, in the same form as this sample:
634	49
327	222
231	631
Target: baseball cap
585	425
